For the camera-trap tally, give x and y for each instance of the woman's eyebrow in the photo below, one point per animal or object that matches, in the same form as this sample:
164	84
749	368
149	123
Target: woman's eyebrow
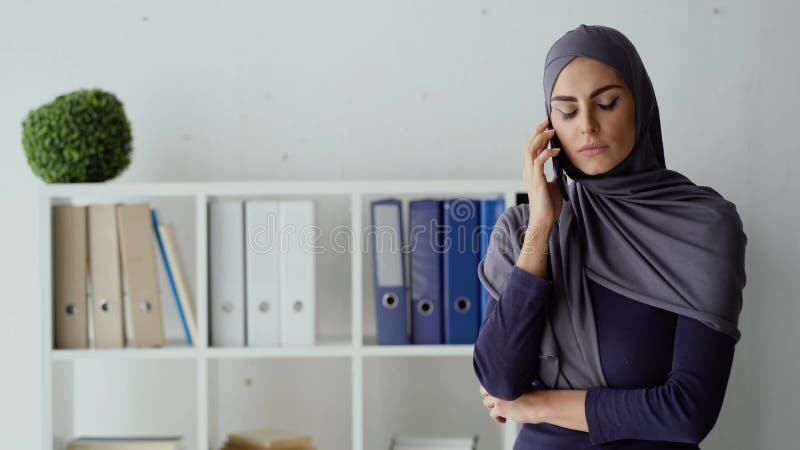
596	92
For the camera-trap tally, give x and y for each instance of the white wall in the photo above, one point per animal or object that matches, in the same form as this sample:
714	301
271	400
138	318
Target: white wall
369	89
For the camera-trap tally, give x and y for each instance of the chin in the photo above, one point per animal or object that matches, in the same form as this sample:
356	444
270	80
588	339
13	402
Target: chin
595	169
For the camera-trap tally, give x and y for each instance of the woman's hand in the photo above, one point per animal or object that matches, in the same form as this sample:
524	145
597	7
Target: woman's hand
544	196
524	409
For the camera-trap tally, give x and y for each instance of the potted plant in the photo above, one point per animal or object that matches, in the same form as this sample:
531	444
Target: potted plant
82	136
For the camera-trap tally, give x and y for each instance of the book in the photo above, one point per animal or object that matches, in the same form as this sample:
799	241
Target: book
176	272
267	438
126	443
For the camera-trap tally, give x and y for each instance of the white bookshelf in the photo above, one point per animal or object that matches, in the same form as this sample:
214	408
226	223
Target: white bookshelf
209	398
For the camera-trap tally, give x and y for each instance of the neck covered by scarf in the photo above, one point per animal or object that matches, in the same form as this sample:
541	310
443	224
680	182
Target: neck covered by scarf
640	229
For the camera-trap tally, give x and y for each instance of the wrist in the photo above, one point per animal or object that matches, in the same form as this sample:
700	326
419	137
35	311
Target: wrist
539	407
537	238
537	228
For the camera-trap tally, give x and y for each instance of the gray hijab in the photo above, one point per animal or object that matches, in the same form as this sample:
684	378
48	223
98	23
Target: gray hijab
640	229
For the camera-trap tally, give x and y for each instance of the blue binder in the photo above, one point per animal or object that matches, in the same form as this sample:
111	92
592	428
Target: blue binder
388	267
491	210
426	243
461	284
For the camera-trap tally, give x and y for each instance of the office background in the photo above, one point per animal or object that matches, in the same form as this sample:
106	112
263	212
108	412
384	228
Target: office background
251	90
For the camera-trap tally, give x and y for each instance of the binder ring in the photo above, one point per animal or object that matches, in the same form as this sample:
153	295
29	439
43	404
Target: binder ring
425	307
105	305
462	304
298	305
145	306
263	306
71	309
390	300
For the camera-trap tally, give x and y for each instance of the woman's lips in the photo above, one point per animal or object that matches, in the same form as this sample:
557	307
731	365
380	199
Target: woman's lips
593	150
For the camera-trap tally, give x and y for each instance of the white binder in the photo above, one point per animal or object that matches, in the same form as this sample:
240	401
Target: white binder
297	272
262	255
226	273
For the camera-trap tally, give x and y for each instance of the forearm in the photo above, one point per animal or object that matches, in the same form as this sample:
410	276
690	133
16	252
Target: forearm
564	408
505	358
534	253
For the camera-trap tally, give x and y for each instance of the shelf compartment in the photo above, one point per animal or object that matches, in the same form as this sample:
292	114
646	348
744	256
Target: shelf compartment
333	247
425	397
477	192
304	395
179	213
144	398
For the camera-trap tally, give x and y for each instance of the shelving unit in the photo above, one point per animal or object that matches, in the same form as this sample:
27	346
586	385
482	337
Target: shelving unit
211	397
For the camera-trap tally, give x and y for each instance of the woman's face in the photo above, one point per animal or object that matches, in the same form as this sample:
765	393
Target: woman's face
592	106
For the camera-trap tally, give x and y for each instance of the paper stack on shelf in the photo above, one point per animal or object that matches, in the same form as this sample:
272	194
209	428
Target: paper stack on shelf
268	439
126	443
434	443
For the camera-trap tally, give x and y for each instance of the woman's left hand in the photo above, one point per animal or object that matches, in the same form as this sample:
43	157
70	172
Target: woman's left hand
525	409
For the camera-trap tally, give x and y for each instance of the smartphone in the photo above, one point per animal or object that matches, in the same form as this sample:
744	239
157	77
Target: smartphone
558	165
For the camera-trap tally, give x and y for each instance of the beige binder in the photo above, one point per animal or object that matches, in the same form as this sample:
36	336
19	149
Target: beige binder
104	273
137	245
179	275
70	315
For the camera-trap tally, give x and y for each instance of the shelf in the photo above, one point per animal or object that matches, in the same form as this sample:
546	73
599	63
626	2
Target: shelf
416	350
324	349
125	353
246	188
375	389
334	349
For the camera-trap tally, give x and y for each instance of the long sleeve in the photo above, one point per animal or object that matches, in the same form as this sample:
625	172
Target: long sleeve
505	358
684	408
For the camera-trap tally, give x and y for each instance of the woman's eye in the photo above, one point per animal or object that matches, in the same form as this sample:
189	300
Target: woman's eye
609	106
569	115
605	107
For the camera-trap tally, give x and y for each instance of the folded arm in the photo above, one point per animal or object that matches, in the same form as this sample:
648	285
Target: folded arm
683	409
506	357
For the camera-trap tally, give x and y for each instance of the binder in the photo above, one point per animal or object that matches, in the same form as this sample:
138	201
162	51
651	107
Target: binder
70	315
391	307
226	261
179	275
171	277
262	258
461	284
297	273
491	210
106	278
137	245
426	245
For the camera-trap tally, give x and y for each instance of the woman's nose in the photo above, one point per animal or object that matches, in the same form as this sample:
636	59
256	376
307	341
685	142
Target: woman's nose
589	124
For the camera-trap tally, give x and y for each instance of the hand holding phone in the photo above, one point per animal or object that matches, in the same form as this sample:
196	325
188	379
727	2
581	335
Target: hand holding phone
544	196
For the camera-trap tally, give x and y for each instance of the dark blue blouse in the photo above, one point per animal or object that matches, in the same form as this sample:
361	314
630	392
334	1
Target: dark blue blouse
666	374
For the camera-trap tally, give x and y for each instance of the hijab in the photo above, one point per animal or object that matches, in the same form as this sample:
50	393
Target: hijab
640	229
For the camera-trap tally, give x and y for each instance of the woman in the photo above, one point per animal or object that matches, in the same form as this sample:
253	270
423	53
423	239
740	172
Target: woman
618	293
